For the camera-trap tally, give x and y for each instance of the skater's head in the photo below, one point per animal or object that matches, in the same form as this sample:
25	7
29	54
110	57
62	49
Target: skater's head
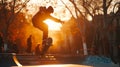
50	9
42	9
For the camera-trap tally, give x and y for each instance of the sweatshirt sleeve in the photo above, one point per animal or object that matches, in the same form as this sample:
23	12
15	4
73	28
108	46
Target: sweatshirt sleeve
55	19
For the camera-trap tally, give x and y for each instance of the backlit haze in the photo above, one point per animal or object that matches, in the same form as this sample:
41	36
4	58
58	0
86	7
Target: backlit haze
60	12
53	25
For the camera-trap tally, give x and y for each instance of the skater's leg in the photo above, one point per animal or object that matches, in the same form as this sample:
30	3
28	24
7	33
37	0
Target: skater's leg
45	32
44	28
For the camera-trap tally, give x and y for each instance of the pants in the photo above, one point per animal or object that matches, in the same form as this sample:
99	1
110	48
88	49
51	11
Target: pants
43	27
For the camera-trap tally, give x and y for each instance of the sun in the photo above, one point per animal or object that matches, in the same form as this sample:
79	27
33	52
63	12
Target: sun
52	25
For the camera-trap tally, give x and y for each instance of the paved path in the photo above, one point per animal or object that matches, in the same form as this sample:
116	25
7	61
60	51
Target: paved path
8	60
49	59
56	60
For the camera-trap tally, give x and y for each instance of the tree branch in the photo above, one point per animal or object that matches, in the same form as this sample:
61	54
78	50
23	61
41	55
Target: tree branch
84	5
109	4
13	15
67	8
77	9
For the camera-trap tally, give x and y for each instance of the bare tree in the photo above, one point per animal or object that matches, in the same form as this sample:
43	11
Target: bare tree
81	25
92	8
9	10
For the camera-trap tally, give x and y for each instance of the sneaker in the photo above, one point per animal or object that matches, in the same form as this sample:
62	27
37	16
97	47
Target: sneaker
47	41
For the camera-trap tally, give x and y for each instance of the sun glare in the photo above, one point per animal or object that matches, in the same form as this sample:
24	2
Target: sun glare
52	25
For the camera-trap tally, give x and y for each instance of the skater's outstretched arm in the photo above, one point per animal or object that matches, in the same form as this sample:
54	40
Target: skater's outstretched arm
55	19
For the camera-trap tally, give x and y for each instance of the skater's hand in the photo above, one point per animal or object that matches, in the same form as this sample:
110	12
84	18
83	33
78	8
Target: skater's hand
62	22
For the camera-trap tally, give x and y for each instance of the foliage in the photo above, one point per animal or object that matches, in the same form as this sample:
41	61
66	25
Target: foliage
8	12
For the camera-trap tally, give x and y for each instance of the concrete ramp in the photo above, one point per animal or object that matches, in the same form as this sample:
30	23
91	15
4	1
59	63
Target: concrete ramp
8	60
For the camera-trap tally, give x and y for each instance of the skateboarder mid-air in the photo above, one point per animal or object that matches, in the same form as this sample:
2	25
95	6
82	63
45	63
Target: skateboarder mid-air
38	21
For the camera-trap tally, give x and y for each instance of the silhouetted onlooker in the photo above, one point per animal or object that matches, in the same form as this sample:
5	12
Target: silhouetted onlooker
29	44
37	50
1	44
15	48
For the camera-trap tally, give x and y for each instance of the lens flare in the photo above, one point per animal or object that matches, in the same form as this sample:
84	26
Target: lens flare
52	25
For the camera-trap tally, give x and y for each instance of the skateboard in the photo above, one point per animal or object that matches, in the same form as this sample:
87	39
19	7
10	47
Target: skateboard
47	45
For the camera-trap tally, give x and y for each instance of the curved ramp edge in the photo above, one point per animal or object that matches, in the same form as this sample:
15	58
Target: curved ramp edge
8	60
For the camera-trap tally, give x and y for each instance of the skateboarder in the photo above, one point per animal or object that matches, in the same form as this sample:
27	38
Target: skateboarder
39	17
